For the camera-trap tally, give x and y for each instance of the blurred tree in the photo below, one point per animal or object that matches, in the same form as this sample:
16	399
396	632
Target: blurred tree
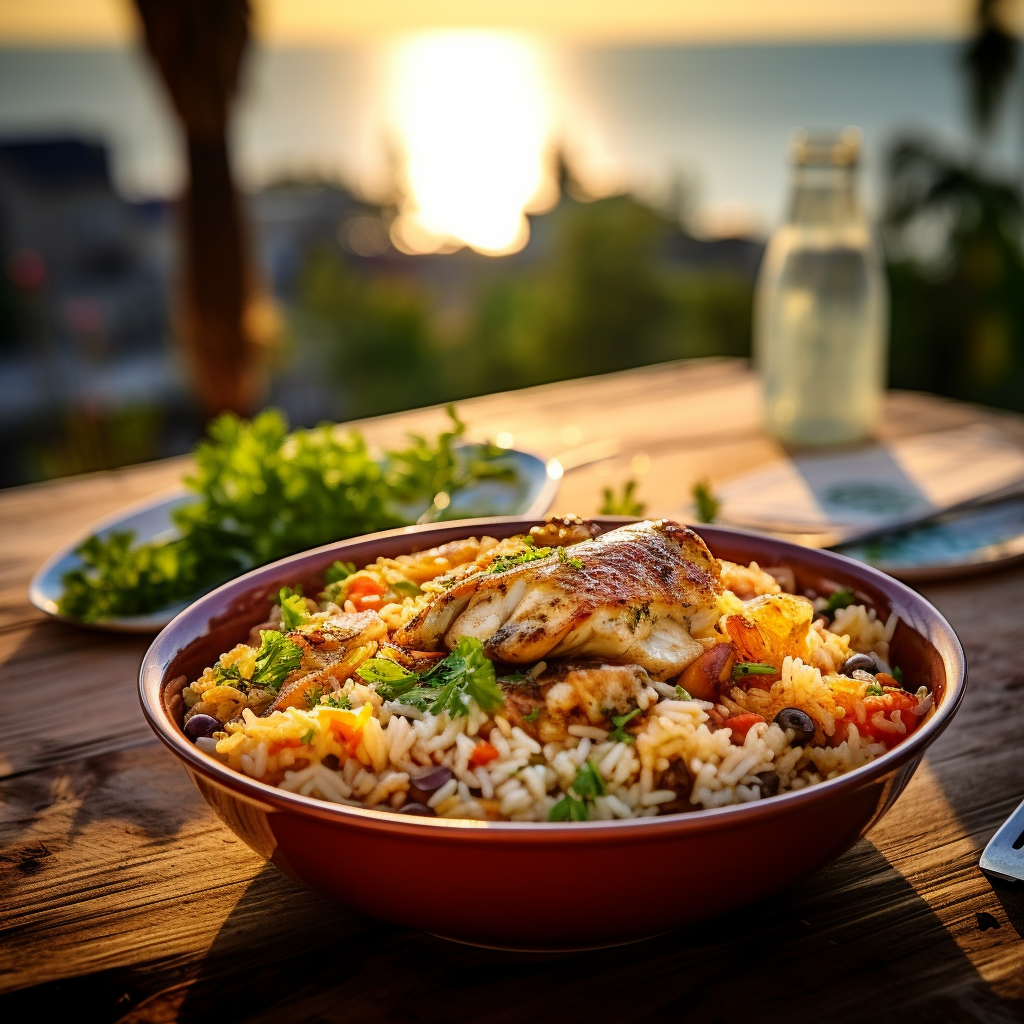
607	297
224	319
601	293
958	303
954	236
989	60
374	335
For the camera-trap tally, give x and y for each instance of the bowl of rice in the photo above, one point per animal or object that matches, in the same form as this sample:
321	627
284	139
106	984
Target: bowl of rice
551	712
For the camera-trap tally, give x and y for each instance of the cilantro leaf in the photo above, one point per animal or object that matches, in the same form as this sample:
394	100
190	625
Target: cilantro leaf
339	571
339	701
588	783
313	695
682	694
873	690
569	809
293	608
586	787
276	659
466	674
840	599
390	680
619	734
897	674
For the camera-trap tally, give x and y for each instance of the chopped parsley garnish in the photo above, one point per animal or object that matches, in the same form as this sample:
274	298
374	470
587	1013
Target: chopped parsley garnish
533	715
529	554
406	587
840	599
293	608
338	701
313	695
704	501
873	690
619	734
465	675
753	668
635	613
566	559
586	787
682	694
339	571
229	675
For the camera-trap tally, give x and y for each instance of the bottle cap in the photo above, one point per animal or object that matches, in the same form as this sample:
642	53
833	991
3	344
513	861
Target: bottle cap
825	149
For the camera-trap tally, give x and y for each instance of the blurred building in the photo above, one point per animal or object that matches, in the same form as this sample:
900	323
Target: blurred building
84	338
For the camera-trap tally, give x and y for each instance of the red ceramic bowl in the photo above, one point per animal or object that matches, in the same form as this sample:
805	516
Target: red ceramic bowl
565	905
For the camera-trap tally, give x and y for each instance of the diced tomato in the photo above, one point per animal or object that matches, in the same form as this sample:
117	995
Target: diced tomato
483	753
741	725
890	701
365	592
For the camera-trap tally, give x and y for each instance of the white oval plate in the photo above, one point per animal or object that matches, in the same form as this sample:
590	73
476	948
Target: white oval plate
530	494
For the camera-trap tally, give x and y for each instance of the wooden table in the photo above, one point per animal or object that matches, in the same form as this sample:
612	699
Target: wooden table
123	897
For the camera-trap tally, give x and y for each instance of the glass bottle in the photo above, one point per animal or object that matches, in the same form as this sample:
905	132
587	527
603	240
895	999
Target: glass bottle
820	307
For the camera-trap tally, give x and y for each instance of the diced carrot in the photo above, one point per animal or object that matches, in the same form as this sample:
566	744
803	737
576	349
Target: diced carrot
483	753
365	592
741	725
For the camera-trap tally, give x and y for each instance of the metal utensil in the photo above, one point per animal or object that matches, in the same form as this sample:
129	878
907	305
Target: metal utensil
1004	855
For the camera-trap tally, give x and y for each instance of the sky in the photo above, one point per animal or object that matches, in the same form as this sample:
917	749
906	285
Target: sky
325	22
643	96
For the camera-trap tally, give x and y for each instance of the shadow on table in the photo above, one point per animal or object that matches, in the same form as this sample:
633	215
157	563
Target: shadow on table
810	952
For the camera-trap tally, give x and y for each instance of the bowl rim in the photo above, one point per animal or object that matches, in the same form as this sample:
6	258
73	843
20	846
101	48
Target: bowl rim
166	647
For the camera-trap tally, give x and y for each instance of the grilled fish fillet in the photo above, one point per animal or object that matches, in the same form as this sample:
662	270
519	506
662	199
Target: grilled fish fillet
628	597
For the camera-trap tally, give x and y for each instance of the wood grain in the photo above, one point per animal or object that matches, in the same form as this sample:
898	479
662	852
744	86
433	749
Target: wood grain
124	897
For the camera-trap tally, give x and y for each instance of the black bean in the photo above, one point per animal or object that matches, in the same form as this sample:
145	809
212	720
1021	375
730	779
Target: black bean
769	782
429	782
864	662
799	721
201	725
421	809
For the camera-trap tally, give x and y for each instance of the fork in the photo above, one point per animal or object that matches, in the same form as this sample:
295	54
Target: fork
1004	855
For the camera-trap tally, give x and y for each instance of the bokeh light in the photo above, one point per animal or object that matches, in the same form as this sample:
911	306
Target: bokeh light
473	127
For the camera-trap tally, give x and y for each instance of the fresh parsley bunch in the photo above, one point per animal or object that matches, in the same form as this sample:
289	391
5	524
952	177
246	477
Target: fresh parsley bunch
263	493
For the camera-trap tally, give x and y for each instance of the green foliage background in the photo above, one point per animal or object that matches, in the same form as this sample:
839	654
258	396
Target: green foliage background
603	297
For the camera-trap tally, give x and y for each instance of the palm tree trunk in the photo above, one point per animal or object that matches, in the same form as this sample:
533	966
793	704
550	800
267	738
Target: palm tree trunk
198	47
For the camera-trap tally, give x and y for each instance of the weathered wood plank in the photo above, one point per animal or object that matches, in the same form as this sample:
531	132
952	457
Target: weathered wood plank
115	862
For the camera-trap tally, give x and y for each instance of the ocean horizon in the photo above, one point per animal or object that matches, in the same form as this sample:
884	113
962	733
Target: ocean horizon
714	118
